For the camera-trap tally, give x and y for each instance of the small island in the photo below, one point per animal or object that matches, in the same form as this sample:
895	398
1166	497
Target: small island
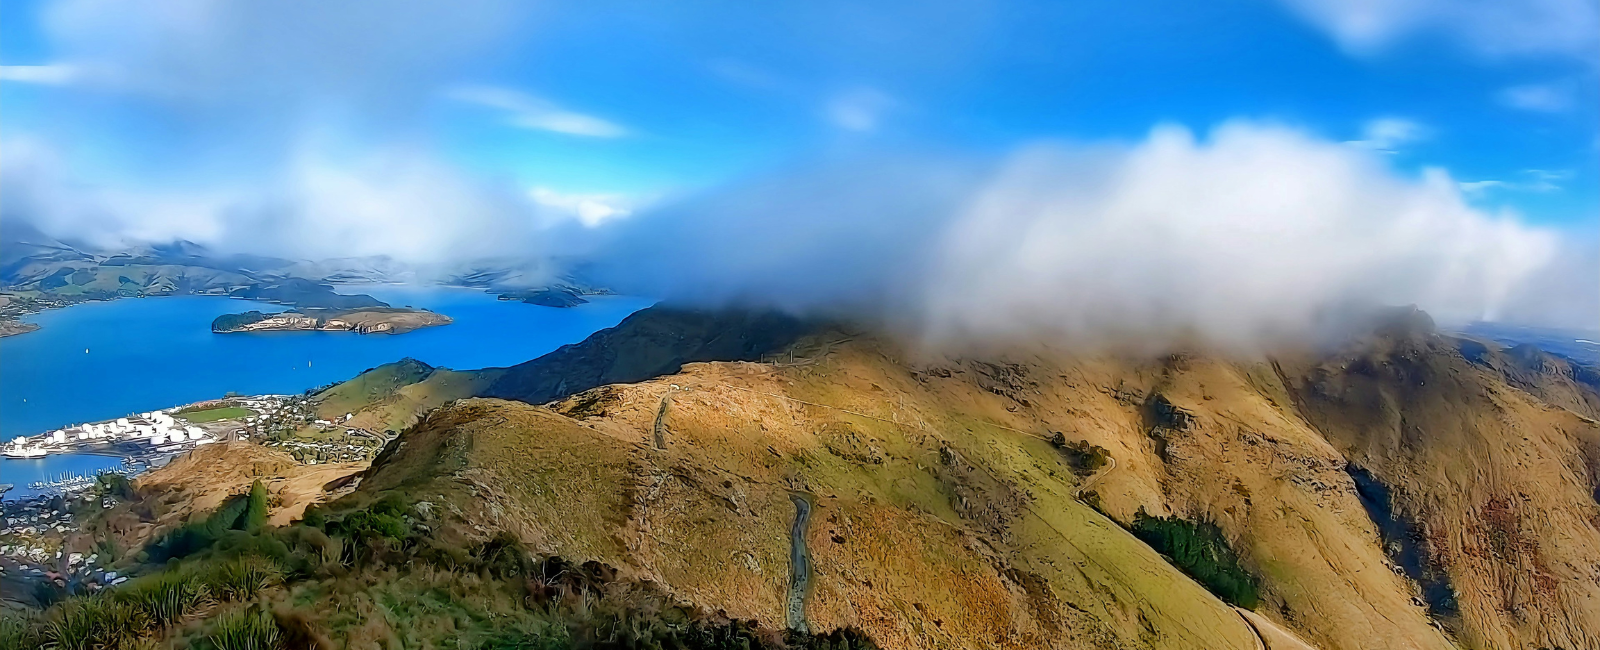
365	320
558	296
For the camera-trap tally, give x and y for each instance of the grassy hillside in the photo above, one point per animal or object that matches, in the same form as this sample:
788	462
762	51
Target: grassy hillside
1409	490
1496	485
393	396
1243	446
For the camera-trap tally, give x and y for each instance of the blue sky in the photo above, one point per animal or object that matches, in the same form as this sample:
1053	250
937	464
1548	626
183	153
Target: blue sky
706	92
425	130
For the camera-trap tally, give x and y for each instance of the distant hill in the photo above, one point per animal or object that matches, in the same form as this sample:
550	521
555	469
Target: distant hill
34	267
649	343
1582	346
39	272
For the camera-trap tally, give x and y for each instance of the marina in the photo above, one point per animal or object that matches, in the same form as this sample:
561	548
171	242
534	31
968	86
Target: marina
67	460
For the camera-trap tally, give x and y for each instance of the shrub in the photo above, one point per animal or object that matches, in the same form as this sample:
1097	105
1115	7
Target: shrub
1200	550
314	517
502	556
1084	457
108	548
194	537
114	485
380	526
255	514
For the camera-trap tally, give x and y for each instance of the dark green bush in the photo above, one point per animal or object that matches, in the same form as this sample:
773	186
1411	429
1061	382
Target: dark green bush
113	484
1084	458
255	514
1200	550
381	530
194	537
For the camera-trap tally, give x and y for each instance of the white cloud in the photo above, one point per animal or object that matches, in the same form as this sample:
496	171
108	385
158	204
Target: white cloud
1479	188
1529	180
1252	233
1544	98
1487	27
859	109
280	56
1545	180
529	112
54	74
589	209
1249	235
39	189
396	202
1387	134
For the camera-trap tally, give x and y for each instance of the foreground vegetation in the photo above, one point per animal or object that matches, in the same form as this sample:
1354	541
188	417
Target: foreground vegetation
374	576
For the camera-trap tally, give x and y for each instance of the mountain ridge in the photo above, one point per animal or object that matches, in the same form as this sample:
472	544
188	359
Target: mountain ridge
1405	489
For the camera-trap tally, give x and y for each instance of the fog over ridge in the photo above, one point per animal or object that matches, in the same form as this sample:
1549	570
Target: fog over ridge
1252	232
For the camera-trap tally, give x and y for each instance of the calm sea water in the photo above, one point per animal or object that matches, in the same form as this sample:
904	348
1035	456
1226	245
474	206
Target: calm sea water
103	360
20	472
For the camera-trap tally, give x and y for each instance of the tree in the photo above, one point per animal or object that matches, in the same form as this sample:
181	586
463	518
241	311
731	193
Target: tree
256	513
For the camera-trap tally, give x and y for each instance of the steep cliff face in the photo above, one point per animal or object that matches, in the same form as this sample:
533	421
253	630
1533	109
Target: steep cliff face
1492	462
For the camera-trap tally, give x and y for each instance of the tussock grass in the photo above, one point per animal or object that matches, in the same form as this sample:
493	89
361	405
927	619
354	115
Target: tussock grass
94	623
165	598
247	630
18	633
241	578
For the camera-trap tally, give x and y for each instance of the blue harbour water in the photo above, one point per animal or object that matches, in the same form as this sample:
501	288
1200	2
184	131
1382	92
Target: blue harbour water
102	360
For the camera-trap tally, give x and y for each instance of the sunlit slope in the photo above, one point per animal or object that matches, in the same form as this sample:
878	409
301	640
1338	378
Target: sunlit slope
953	534
1408	491
394	395
1498	485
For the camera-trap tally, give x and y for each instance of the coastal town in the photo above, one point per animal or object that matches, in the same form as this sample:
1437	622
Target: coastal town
36	522
150	439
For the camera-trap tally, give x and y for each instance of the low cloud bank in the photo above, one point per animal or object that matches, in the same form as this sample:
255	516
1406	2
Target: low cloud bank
1252	233
1249	234
398	203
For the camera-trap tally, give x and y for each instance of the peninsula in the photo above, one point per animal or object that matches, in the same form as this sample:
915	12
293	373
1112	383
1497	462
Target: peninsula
365	320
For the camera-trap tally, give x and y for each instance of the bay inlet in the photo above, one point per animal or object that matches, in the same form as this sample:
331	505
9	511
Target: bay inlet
102	360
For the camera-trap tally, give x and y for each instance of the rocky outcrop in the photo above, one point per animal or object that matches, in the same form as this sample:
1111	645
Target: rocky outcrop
11	327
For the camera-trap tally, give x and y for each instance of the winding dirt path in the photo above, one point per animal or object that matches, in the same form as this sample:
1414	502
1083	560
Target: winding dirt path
799	564
1096	479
